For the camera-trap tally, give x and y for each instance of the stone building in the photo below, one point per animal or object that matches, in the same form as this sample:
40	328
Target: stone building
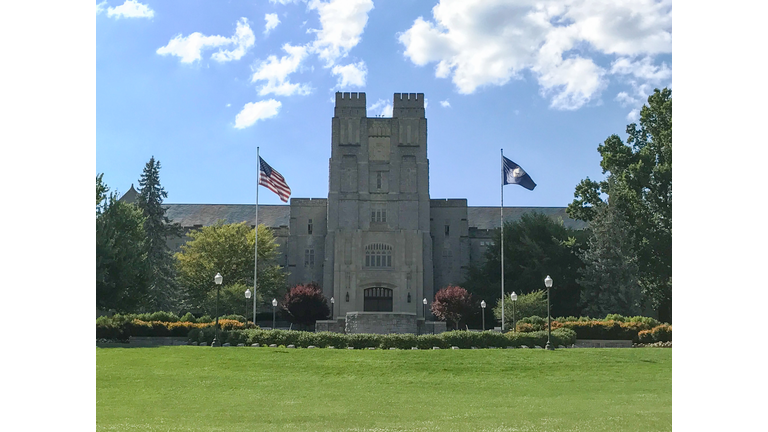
378	244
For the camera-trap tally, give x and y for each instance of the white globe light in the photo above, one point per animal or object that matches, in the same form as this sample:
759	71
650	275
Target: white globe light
218	279
482	304
274	302
513	296
248	293
548	282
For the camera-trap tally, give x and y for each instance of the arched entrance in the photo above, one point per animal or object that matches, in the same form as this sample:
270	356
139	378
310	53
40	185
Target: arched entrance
377	299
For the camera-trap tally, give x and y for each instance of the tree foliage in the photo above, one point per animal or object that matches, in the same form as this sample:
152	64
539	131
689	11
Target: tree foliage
639	185
526	305
452	304
610	276
306	304
121	271
228	249
534	246
164	293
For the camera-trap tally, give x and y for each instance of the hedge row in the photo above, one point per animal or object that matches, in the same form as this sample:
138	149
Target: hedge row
167	317
603	329
662	333
461	339
122	330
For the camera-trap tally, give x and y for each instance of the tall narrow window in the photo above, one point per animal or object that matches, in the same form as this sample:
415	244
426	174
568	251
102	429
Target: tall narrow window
309	258
309	226
378	212
378	180
447	228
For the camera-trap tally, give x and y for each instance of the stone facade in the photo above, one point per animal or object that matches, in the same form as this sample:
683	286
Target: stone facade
378	242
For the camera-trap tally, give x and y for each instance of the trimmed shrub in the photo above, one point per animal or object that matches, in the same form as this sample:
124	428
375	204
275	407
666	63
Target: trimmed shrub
188	317
204	319
363	340
615	317
650	322
232	317
399	341
428	341
662	333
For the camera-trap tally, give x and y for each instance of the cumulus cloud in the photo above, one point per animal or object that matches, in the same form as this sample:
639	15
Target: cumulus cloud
351	74
284	2
189	48
479	43
381	108
445	104
277	71
272	22
129	9
342	23
642	76
255	111
101	7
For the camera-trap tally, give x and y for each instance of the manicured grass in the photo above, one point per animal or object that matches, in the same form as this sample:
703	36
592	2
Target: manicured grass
189	388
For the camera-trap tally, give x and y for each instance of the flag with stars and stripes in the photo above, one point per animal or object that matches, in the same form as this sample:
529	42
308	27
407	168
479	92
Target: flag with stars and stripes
272	180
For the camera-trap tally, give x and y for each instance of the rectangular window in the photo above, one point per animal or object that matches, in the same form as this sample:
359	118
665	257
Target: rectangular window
309	258
309	226
378	180
378	212
447	228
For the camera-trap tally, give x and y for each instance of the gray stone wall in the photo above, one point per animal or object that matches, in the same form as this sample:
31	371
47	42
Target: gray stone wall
380	322
450	241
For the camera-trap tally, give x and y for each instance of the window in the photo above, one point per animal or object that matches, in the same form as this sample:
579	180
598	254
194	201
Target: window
378	212
309	258
447	228
309	226
378	180
378	255
377	299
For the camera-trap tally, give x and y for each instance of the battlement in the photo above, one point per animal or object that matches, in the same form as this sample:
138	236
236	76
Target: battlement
408	105
350	100
350	104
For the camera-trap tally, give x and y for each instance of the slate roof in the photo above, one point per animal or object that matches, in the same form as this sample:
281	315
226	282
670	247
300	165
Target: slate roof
189	215
490	217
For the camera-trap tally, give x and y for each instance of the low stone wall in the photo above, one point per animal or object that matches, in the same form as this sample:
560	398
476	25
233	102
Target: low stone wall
380	322
336	326
597	343
431	327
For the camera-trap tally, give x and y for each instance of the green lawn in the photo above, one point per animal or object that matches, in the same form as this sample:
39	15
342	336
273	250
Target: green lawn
190	388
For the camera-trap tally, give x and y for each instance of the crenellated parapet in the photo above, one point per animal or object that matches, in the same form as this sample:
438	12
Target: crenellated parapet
350	104
408	105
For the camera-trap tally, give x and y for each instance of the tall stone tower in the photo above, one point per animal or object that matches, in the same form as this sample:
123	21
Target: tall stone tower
378	249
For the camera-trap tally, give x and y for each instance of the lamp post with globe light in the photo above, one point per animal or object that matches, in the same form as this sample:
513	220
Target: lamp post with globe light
274	305
332	303
513	296
217	279
424	302
548	284
482	305
247	297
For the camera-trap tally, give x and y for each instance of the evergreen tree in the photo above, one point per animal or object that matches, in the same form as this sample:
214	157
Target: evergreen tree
639	185
164	292
610	276
121	272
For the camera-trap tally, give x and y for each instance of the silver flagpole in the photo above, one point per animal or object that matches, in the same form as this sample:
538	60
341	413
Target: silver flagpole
502	240
256	251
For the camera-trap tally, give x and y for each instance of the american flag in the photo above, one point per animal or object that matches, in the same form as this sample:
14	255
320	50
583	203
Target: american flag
272	180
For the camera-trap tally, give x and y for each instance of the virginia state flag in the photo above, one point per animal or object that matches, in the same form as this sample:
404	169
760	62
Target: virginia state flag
513	174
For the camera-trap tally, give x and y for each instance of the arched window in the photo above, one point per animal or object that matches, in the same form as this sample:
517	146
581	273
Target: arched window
378	255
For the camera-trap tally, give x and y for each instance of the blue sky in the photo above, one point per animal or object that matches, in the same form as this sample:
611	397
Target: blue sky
200	84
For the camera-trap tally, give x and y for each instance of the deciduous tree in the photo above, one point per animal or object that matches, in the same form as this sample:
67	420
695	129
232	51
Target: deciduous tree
306	304
452	304
639	185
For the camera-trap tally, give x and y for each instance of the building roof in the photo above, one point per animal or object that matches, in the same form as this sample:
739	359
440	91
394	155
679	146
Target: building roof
189	215
490	217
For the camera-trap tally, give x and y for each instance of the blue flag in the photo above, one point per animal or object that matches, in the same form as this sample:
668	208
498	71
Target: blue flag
513	174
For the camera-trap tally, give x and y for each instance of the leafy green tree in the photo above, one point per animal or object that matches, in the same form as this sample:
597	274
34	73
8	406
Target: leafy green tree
531	304
534	246
639	185
610	276
121	272
164	292
228	249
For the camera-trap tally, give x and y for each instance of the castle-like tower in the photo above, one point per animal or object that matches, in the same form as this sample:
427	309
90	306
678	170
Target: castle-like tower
378	246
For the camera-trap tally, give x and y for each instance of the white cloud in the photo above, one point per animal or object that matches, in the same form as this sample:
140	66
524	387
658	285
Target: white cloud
342	23
190	47
255	111
272	22
229	105
381	108
284	2
445	104
101	7
351	74
129	9
642	76
481	43
276	71
625	99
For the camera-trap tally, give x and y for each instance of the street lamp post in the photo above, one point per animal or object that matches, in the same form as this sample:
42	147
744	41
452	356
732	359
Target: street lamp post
482	305
217	279
332	303
247	297
513	296
274	305
548	284
425	308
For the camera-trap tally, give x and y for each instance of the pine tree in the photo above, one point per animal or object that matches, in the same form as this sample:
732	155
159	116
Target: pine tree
609	281
164	293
